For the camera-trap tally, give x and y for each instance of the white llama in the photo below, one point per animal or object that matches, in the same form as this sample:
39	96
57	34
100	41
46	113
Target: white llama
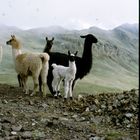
64	73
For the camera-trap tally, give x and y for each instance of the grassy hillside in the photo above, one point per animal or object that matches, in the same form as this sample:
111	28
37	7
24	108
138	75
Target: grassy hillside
115	56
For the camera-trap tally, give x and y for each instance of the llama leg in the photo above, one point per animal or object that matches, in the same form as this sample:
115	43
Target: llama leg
74	83
49	81
58	88
24	80
40	84
44	90
70	88
54	86
44	73
35	79
19	80
66	89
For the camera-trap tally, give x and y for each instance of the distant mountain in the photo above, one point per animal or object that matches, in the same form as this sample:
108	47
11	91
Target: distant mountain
48	30
8	29
115	56
132	28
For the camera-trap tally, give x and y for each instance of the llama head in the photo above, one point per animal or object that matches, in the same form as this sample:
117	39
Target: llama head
90	38
72	56
49	44
13	42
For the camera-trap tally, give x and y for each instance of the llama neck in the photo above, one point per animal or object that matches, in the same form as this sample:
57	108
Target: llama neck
46	49
86	62
87	53
15	53
72	65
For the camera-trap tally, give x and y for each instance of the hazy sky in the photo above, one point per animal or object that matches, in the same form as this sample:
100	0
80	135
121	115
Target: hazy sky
76	14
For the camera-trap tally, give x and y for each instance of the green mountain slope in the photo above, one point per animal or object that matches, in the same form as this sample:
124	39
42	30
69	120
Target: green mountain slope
115	56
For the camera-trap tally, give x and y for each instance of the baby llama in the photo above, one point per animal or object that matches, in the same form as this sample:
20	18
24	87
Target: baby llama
64	73
29	64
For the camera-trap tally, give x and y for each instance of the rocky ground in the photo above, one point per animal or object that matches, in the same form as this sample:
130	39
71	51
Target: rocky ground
104	116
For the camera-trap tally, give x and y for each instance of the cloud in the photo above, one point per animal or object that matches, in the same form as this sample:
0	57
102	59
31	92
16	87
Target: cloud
75	14
77	24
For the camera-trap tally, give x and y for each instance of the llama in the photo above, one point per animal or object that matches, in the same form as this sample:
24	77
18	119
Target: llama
47	49
1	53
64	73
49	44
29	64
83	63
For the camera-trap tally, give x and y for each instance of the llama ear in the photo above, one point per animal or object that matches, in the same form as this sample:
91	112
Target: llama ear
52	38
76	53
83	36
46	38
68	52
13	36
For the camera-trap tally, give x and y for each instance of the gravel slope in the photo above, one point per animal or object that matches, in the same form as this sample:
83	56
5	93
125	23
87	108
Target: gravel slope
100	117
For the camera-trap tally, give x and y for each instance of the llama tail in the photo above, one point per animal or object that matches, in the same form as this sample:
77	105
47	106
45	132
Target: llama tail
54	65
44	57
1	53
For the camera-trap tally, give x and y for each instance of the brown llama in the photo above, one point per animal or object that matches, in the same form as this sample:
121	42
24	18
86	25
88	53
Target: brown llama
29	64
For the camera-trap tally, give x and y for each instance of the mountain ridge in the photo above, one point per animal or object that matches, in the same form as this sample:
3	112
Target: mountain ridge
116	53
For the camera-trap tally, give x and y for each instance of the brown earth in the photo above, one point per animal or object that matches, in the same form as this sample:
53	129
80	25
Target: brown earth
106	116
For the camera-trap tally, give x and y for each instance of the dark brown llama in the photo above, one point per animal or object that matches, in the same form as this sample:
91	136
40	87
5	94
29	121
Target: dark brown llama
49	44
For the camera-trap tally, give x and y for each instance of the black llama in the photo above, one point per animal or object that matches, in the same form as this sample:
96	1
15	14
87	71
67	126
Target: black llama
83	63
